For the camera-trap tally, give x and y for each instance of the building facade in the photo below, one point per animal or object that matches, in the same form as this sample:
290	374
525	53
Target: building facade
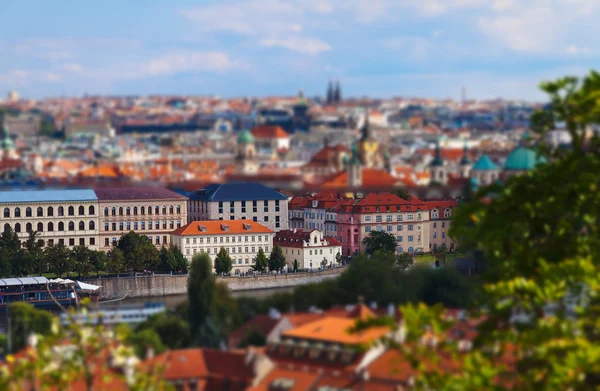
241	238
151	211
440	214
68	217
315	212
240	201
310	248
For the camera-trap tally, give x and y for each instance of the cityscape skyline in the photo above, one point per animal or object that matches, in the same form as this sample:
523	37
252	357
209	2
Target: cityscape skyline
493	48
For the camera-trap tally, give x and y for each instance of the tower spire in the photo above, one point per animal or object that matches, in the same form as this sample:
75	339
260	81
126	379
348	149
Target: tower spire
365	131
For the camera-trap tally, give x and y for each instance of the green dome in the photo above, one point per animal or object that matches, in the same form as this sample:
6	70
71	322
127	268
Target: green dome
484	164
523	159
7	142
245	137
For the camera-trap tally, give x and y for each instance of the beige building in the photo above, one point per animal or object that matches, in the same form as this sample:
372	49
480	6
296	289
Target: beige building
440	217
309	248
151	211
241	238
68	217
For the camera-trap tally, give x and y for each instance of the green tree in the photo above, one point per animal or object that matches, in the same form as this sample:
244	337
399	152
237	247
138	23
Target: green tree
179	261
295	265
25	320
34	254
223	262
324	263
138	251
380	240
99	261
276	259
404	261
201	288
261	262
338	258
11	253
116	261
144	341
81	260
173	331
59	259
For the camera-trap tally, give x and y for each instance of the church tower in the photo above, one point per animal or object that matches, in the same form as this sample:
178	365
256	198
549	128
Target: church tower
368	147
246	152
354	169
8	147
436	167
465	163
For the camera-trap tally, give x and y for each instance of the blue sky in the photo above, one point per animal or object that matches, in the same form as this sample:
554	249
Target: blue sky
377	48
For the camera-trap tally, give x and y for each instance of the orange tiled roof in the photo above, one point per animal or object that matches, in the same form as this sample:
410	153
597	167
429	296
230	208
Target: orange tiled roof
336	330
302	380
371	178
221	227
269	131
100	171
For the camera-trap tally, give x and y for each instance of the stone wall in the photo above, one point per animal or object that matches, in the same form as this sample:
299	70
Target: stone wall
164	285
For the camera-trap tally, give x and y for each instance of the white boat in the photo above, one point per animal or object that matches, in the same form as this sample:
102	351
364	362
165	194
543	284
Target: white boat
127	313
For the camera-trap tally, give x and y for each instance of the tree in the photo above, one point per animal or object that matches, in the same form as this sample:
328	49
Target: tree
201	287
59	259
115	261
138	251
145	340
223	263
338	258
11	253
277	259
179	261
261	263
99	261
295	266
324	262
25	319
380	240
539	235
81	260
173	331
404	261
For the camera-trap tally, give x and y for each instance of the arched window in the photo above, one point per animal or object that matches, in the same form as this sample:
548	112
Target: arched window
149	210
92	210
71	211
28	227
114	211
135	211
61	226
28	212
121	211
171	209
92	225
6	212
164	210
315	240
178	209
50	226
71	226
17	212
105	211
40	227
157	210
40	212
50	211
18	227
128	211
61	211
142	210
6	227
81	226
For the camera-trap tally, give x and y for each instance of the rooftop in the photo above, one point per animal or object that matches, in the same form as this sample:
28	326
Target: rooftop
47	196
136	193
336	330
237	191
220	227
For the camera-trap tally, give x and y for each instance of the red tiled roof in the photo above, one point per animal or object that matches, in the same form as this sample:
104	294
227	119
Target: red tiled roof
321	158
372	201
372	178
269	131
301	380
441	204
289	238
221	227
262	323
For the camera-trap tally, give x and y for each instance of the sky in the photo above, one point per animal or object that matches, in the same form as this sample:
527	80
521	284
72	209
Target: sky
228	48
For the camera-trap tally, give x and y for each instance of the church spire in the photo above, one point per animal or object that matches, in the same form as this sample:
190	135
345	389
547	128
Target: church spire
437	160
365	131
465	159
330	92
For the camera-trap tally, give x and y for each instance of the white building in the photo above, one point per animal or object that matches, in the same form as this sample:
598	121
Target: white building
309	248
241	238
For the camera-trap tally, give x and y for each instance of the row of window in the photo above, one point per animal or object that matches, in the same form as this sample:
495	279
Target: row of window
410	238
72	242
50	226
254	218
443	235
230	250
435	214
141	225
225	239
143	210
157	240
390	218
254	206
390	228
443	224
49	212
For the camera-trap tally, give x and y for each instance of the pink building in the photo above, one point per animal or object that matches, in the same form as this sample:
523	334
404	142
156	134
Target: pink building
440	213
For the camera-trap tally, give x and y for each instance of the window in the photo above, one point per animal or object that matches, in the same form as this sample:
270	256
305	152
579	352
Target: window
443	235
120	211
389	228
40	227
277	224
61	211
231	207
367	218
120	226
128	225
266	218
61	241
106	226
40	212
220	206
243	206
165	239
399	228
50	242
50	226
6	212
254	218
114	211
92	241
388	218
434	225
82	241
164	210
399	238
410	217
81	226
81	210
418	216
156	210
232	217
435	235
135	210
106	243
443	224
410	227
143	224
28	212
71	211
410	238
164	225
71	226
71	241
157	238
135	225
128	211
114	226
50	211
142	210
17	212
178	209
378	228
179	224
92	225
61	226
276	205
266	206
254	207
378	219
105	211
368	229
17	227
157	225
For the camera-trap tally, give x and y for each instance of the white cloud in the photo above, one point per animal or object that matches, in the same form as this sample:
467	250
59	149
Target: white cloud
187	61
298	44
75	68
318	6
501	5
579	50
22	77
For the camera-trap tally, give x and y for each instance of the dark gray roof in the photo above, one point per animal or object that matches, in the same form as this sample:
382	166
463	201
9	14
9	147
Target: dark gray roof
239	191
137	193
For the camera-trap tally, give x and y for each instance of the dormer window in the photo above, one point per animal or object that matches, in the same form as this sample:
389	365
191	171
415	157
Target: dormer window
248	227
224	227
202	228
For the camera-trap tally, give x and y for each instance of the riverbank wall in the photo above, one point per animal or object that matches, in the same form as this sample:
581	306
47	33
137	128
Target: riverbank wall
165	285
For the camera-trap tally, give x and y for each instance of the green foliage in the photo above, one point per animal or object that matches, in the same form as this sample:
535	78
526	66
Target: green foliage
47	128
173	331
261	262
59	259
380	241
25	320
81	260
201	291
276	259
223	262
115	261
145	341
253	337
295	266
404	261
138	251
224	310
172	260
